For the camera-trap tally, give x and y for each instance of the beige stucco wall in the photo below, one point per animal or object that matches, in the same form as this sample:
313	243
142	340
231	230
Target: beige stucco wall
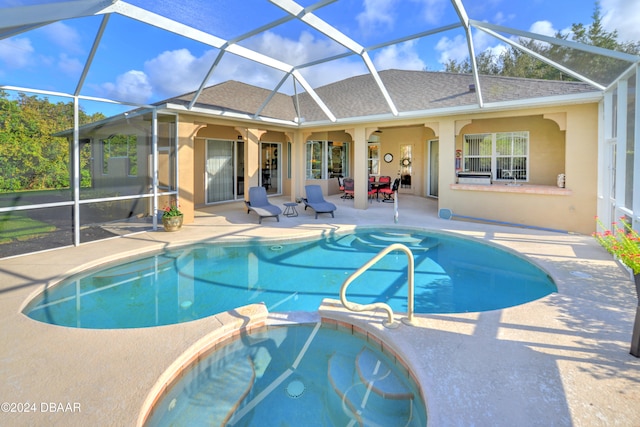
562	140
577	125
546	143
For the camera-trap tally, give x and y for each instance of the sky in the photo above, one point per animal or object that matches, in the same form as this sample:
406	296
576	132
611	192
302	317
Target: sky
141	64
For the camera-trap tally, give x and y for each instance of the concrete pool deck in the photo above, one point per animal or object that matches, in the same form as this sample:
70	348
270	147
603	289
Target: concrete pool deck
562	360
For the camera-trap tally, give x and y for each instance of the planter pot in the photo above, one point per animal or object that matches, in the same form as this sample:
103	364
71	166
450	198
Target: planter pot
172	223
635	336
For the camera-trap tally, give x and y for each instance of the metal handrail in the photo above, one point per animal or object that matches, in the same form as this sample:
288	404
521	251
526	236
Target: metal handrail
390	323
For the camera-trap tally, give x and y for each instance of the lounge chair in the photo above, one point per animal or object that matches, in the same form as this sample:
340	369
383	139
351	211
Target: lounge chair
315	200
259	203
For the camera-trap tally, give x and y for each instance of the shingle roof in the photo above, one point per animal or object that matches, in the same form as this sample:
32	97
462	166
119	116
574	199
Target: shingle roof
234	96
359	96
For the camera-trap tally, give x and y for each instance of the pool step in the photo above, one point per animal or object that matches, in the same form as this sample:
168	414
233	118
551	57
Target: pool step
131	270
222	395
382	240
369	392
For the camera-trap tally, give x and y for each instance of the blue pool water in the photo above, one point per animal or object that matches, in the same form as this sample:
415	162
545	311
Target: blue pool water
452	275
301	375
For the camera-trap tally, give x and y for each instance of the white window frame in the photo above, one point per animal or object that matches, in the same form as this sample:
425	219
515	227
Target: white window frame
373	158
494	156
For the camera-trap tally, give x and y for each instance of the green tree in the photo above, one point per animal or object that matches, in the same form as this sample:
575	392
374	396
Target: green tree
31	158
514	62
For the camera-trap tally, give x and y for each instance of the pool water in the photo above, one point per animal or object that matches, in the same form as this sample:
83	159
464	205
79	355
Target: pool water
297	375
452	275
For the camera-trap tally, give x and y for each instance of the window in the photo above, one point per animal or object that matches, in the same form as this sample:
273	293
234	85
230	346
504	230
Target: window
337	159
271	169
405	165
315	161
327	159
505	154
374	159
120	155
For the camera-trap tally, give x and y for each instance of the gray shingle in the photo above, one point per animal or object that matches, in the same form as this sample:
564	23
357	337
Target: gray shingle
359	96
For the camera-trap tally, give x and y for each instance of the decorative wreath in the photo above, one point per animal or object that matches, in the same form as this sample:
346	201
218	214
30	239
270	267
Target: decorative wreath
405	162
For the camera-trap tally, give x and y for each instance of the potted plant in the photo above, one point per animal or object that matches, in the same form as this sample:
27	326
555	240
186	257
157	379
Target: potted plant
623	242
172	217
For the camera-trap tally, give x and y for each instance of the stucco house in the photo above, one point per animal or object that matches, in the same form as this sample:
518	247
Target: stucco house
537	153
527	134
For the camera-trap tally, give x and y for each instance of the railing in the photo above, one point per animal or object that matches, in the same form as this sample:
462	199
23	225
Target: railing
390	323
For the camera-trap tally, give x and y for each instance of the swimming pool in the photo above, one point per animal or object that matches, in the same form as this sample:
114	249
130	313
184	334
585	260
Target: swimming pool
452	275
305	374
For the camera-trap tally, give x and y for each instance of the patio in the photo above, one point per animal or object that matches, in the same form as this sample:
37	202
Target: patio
563	360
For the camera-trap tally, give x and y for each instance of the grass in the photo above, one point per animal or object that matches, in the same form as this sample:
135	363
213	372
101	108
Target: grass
19	227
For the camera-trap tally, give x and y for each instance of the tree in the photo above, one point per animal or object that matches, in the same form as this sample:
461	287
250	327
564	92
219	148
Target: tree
514	62
31	158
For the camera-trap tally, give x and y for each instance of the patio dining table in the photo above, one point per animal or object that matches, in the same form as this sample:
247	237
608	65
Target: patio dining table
377	185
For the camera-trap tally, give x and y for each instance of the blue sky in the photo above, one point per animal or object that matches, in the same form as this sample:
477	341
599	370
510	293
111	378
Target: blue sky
143	64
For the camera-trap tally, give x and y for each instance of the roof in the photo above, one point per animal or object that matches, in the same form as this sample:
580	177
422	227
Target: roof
119	60
360	96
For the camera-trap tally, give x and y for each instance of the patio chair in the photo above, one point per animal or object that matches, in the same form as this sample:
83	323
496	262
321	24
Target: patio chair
259	203
384	181
388	193
315	200
348	188
372	191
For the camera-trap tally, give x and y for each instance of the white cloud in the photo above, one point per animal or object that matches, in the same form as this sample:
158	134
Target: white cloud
377	16
543	27
622	15
457	49
132	86
304	50
433	10
402	56
501	19
70	66
16	52
452	49
178	71
64	36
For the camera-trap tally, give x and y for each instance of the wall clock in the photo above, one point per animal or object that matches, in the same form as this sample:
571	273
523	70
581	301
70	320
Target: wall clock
388	157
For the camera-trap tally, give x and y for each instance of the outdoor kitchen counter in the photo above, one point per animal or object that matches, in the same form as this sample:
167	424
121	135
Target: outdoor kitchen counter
520	188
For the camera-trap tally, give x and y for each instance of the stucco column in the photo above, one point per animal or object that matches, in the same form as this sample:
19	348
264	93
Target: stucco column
298	144
447	158
186	179
251	157
359	136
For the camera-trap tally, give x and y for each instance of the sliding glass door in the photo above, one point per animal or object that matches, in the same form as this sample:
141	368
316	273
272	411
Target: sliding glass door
221	171
434	171
270	167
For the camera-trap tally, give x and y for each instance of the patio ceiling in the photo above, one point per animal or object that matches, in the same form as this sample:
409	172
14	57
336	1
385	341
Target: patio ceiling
216	43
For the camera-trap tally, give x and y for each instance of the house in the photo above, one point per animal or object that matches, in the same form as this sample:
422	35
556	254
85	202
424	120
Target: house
538	153
527	134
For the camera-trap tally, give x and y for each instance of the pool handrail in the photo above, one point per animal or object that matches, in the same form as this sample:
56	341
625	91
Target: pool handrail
390	323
